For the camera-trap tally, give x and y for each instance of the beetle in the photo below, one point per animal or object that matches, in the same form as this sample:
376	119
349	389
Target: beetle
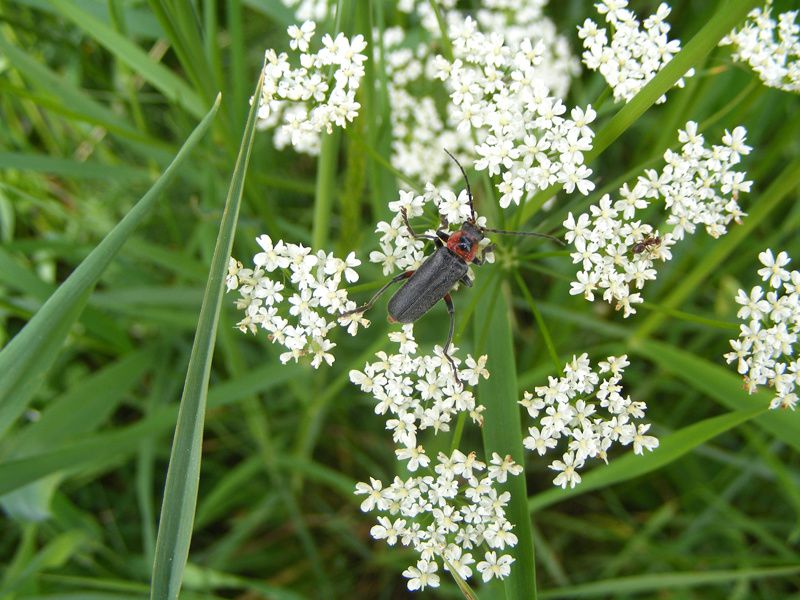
440	271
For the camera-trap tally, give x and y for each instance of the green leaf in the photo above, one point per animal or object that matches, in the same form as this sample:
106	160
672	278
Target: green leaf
723	385
80	410
630	466
183	475
26	359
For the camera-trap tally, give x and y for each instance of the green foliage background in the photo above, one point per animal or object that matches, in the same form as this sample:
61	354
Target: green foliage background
97	99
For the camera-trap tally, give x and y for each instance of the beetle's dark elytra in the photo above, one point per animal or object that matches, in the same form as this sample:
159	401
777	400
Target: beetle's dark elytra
427	286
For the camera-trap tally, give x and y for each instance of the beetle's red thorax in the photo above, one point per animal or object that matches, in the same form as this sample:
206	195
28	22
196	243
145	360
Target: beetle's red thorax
461	245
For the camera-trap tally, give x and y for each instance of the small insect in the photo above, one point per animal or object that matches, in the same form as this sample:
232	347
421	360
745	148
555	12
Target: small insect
645	244
437	275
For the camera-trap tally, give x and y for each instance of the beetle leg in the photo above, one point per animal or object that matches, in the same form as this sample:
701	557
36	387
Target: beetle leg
368	305
466	281
443	236
419	236
452	312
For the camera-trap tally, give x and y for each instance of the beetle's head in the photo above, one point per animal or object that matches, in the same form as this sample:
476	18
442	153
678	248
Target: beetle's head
472	231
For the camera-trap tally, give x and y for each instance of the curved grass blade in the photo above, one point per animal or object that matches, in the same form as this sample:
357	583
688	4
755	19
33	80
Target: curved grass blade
630	466
183	475
25	360
724	386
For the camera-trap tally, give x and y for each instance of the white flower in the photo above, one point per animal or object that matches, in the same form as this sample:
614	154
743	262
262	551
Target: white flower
314	298
766	345
306	101
773	270
571	405
492	566
770	47
635	54
444	515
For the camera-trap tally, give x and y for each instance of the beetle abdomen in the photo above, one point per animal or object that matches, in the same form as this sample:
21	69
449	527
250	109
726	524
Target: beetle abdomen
429	284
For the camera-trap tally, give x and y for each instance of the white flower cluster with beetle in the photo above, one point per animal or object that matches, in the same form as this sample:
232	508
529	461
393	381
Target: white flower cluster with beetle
698	186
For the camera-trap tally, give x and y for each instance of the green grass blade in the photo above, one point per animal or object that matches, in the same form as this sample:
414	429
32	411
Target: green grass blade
630	466
723	385
183	475
25	360
502	432
102	449
159	76
655	584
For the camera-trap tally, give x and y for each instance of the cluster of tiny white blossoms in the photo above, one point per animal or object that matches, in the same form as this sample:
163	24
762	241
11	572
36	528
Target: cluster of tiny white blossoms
313	298
765	349
698	186
401	251
419	391
524	136
567	410
776	61
420	127
308	100
634	55
447	515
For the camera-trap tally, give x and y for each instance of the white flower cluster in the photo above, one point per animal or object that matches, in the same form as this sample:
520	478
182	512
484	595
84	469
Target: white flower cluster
777	62
312	98
445	516
399	250
314	297
418	391
765	349
698	187
635	55
567	409
524	135
421	126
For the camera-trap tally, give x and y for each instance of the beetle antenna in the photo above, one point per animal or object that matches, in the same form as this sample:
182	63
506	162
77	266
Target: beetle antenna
469	192
530	233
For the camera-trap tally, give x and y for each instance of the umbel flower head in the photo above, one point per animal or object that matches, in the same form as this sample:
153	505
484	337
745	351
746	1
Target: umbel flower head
421	125
582	415
770	47
418	391
315	96
699	187
523	132
765	351
295	296
451	515
634	55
